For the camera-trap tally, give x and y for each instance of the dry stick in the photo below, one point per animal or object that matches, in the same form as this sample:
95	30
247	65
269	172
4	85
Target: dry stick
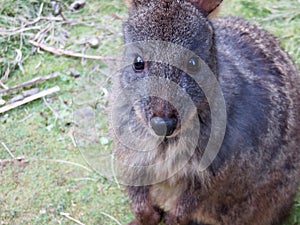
64	162
3	85
111	217
31	82
4	162
6	74
58	51
38	19
18	30
7	149
29	99
67	215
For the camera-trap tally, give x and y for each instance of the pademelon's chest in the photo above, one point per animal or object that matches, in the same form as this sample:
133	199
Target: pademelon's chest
165	196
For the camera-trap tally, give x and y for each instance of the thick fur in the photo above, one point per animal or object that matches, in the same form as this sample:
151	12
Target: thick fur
255	176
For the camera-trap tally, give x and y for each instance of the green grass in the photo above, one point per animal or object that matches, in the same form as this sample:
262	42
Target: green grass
281	18
54	178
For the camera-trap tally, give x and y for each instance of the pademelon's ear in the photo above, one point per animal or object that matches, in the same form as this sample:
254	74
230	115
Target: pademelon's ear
206	6
134	3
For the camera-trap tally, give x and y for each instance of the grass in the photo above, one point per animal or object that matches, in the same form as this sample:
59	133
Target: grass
53	178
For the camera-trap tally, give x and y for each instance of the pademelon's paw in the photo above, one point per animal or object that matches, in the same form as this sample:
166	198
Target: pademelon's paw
171	219
146	215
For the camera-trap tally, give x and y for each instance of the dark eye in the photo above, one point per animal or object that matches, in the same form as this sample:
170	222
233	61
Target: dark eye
138	64
194	64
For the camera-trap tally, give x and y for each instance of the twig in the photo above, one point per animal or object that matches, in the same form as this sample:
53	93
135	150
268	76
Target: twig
67	215
68	162
31	82
25	118
38	19
51	109
62	162
4	162
7	149
42	33
84	157
112	218
29	99
6	74
58	51
18	30
18	59
3	85
71	135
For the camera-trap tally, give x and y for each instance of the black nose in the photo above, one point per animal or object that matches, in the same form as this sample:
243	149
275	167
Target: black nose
163	126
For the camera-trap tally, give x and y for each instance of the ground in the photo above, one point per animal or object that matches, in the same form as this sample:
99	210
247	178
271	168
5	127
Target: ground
47	177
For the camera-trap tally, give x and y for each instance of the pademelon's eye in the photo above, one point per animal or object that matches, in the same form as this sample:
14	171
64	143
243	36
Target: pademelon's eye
194	64
138	64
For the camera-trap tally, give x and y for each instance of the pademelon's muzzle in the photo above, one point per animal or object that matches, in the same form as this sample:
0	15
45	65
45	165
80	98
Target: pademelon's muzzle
163	126
160	116
164	119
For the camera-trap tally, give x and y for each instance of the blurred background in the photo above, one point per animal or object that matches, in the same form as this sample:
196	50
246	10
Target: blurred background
58	58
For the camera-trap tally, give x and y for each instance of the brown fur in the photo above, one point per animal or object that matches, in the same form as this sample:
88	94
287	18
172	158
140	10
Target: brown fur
255	176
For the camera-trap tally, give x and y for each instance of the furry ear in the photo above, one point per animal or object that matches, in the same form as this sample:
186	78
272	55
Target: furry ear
206	6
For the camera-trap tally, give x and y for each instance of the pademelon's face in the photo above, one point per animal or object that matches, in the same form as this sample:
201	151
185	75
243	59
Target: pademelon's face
181	24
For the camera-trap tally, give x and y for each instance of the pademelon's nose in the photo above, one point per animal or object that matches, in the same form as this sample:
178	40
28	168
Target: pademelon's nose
163	126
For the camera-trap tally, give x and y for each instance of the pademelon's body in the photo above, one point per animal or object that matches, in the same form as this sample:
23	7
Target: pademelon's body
254	177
